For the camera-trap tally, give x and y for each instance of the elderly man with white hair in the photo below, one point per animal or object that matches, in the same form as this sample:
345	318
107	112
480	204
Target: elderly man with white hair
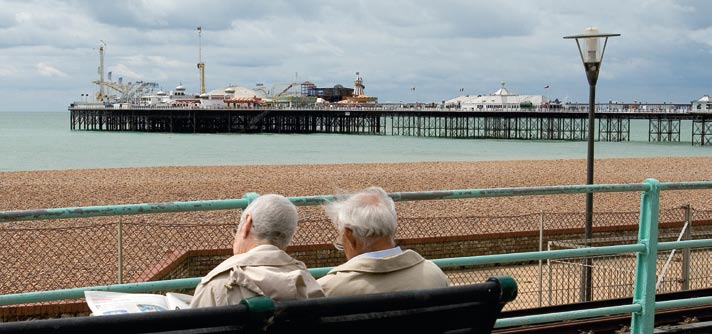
367	225
259	266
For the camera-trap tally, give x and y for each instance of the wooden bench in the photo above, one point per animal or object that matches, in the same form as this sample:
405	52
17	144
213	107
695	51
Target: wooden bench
459	309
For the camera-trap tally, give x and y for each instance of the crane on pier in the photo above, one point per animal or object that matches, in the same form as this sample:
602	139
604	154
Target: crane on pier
201	65
130	92
278	95
101	96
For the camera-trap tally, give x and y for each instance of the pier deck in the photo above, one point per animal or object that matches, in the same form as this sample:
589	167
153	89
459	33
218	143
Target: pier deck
528	125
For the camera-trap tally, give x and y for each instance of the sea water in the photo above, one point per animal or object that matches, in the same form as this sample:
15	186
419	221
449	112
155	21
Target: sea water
43	141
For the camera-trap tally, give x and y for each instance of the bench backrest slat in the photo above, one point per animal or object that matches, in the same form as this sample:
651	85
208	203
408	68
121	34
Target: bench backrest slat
473	308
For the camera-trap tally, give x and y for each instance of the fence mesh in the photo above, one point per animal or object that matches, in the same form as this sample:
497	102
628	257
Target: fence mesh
85	252
613	275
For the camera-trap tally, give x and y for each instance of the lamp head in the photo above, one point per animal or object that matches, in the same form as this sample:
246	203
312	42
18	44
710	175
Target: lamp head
592	52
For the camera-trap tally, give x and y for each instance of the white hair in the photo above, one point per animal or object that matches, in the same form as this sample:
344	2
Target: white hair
369	213
274	219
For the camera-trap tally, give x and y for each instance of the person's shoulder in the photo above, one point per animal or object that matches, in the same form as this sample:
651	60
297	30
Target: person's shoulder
223	268
341	283
411	254
435	273
339	274
360	264
432	267
204	295
325	281
353	266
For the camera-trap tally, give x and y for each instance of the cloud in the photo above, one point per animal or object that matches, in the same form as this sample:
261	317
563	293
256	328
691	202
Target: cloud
182	14
438	46
252	61
7	71
121	70
49	71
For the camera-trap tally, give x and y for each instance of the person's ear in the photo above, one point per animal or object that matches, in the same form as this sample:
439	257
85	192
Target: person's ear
246	226
349	237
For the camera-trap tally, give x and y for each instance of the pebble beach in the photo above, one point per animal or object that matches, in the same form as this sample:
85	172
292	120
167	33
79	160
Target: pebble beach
64	188
85	249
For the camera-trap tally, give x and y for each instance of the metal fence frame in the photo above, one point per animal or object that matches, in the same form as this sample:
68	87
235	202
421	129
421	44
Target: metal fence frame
642	309
676	270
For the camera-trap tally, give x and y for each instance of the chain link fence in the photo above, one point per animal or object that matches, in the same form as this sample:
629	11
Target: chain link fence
120	249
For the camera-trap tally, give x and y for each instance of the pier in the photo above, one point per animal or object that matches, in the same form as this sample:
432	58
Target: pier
536	124
227	120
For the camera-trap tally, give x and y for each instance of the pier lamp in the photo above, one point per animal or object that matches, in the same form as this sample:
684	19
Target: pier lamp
592	57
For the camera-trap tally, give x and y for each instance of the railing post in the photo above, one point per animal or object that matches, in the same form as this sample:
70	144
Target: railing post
686	251
120	260
643	322
541	248
250	197
548	273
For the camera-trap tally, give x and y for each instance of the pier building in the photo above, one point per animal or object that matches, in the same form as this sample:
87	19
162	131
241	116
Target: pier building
502	99
702	104
359	96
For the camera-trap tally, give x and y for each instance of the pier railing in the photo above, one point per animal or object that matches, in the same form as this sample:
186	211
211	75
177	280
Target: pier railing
573	108
645	248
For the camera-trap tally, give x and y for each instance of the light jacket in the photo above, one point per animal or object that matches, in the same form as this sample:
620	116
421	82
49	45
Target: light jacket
362	275
264	270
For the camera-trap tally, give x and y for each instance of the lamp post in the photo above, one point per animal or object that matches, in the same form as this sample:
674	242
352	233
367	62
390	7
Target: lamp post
592	57
415	97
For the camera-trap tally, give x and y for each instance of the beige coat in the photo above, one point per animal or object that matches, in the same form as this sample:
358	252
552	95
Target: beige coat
404	271
263	271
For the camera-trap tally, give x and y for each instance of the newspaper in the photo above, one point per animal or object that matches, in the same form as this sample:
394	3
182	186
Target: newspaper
106	303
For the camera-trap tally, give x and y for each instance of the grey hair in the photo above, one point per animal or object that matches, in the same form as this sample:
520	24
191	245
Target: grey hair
274	219
369	213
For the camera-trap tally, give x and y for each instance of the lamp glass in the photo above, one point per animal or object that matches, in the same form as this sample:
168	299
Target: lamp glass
593	46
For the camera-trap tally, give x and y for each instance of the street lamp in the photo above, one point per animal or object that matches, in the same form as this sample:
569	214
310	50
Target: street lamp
592	57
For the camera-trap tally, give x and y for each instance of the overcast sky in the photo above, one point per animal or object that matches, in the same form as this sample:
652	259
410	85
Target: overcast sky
50	48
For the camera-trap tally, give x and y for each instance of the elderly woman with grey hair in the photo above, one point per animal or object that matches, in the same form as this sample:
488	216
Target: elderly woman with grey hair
367	225
259	266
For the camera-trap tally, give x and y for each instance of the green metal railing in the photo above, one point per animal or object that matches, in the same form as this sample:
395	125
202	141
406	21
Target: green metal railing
229	204
642	309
